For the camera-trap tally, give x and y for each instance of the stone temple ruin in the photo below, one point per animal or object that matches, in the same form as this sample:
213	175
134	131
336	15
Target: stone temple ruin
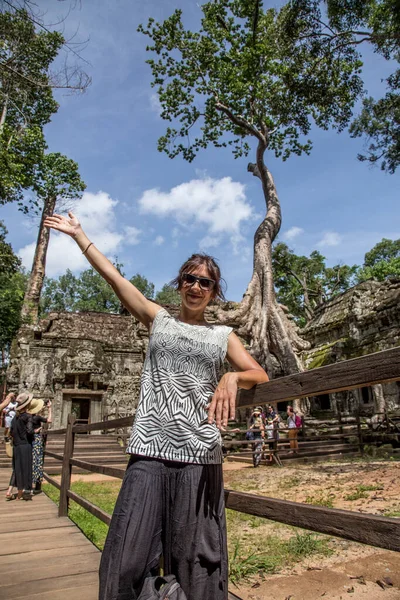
363	320
90	363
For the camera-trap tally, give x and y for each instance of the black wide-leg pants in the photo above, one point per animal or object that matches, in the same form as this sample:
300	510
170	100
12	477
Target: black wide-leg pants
171	509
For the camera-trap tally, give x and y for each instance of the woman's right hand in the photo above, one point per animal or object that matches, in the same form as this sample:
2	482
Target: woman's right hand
70	226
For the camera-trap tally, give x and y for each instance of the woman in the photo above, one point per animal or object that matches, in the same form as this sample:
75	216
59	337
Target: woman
171	502
38	442
10	411
22	432
292	426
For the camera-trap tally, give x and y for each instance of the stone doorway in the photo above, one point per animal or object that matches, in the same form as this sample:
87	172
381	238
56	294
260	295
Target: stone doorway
80	408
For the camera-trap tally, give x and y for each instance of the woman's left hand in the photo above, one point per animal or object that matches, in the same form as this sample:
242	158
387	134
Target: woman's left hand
223	403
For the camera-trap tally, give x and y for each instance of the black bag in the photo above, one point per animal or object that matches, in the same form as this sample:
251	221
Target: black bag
162	588
249	435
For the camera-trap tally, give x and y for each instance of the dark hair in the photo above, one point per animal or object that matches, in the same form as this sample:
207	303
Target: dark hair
197	260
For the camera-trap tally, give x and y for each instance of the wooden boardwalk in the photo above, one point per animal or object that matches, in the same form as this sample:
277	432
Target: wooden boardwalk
43	556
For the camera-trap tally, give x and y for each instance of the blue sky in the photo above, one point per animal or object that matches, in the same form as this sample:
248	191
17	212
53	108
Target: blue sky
152	212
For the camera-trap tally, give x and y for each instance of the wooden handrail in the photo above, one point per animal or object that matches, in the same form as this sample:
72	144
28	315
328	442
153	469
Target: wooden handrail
346	375
382	532
368	370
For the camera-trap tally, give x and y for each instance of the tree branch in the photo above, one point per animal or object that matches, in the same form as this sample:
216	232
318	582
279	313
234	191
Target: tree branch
45	85
240	121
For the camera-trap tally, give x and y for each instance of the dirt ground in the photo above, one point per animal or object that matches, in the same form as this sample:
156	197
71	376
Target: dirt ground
353	570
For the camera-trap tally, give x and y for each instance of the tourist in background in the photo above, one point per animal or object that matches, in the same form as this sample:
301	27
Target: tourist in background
10	411
22	433
293	430
270	432
258	430
35	407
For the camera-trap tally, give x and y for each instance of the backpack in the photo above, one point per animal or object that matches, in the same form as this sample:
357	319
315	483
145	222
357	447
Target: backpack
297	421
162	588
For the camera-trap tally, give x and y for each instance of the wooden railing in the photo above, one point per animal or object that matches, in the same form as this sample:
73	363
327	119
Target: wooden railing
374	530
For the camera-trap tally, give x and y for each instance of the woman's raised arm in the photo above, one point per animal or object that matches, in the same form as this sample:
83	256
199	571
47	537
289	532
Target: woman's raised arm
144	310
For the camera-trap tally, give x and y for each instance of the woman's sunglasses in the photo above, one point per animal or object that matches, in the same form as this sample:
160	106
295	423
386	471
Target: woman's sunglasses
205	283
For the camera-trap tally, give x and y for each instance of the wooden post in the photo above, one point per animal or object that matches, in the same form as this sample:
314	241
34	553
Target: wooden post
359	433
66	468
339	414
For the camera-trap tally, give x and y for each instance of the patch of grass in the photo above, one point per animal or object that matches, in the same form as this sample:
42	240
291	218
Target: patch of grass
103	494
321	499
369	488
357	495
276	554
290	482
392	513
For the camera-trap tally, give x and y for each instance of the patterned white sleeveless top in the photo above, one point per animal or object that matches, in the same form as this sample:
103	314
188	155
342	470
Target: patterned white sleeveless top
181	371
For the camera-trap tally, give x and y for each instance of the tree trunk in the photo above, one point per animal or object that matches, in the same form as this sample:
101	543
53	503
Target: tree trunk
30	307
3	114
273	337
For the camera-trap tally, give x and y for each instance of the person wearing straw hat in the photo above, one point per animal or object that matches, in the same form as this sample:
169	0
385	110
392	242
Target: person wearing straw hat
35	407
21	432
257	425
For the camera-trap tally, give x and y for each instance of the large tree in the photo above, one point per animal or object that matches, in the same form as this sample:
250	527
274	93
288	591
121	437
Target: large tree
86	292
305	282
382	261
12	287
27	53
249	77
56	180
357	23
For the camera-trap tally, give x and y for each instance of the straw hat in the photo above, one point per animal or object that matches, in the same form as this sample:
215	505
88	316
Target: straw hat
23	400
35	406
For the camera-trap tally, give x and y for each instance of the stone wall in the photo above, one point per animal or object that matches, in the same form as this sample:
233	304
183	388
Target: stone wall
83	361
95	359
363	320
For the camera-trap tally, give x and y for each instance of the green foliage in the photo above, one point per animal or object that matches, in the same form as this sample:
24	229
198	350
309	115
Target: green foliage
9	262
59	294
357	495
103	494
369	488
86	292
168	295
303	283
143	285
57	178
276	554
351	23
382	261
249	72
379	122
26	99
12	290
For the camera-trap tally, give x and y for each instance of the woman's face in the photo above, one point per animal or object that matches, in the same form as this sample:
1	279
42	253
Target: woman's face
193	296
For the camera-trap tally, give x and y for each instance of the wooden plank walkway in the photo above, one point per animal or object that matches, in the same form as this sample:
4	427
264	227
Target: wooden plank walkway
43	556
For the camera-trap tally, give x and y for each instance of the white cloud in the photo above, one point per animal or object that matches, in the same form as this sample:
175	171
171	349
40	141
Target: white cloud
209	241
155	104
330	238
219	205
96	214
132	235
159	240
292	233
